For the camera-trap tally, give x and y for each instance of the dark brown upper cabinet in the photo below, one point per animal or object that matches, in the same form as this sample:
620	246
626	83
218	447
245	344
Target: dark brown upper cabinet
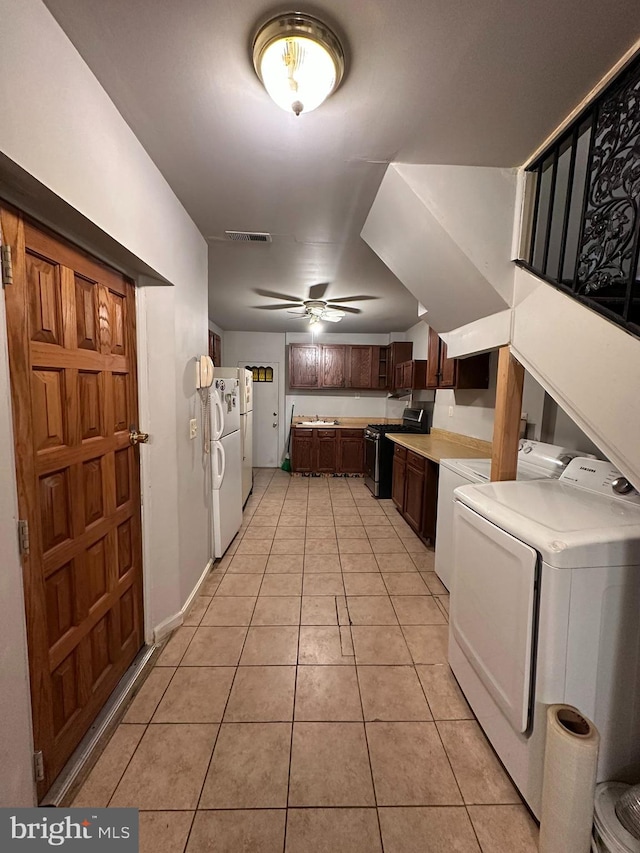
333	368
363	365
337	366
456	373
304	365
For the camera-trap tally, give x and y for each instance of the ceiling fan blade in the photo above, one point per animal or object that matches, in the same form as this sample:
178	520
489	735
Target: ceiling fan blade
345	308
297	314
317	291
278	307
331	318
271	294
354	299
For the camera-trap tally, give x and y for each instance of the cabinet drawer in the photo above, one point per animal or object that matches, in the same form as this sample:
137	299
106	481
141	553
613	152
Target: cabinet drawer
351	433
416	461
325	433
399	452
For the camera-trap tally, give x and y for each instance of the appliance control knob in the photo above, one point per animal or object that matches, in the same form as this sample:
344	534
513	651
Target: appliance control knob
621	486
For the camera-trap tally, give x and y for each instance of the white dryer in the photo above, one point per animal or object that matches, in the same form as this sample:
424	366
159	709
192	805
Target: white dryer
545	608
536	461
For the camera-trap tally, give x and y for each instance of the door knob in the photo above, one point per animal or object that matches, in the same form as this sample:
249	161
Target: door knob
136	437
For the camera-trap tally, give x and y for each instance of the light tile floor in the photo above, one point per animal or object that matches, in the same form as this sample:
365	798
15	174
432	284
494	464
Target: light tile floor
306	705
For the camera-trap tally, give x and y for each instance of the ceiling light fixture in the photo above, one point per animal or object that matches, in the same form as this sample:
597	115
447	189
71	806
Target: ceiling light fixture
299	60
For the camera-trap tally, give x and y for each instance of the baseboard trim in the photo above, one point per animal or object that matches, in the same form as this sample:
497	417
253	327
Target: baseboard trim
172	622
167	627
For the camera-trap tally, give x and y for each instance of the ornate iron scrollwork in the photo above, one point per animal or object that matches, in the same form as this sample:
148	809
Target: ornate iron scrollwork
608	242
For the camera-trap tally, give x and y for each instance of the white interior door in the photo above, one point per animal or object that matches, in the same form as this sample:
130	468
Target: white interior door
266	420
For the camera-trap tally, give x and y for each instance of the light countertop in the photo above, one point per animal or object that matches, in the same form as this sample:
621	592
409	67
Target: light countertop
344	422
327	426
440	444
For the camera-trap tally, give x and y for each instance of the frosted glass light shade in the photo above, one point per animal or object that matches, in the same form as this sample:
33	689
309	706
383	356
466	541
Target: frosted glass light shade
299	61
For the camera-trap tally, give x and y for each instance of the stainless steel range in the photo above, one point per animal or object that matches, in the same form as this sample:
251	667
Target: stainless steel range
378	449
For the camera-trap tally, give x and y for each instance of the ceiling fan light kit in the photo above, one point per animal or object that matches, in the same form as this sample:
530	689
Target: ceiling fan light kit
314	310
299	61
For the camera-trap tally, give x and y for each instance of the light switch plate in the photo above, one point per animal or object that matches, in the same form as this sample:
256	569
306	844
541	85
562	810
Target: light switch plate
193	428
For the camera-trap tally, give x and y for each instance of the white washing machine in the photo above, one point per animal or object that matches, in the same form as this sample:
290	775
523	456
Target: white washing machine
536	461
545	608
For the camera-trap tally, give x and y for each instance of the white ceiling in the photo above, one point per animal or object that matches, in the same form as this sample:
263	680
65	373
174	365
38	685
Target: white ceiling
473	82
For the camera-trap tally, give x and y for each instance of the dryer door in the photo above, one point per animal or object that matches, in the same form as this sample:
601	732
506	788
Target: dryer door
493	608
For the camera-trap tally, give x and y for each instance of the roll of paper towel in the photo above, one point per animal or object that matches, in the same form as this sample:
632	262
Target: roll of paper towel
569	781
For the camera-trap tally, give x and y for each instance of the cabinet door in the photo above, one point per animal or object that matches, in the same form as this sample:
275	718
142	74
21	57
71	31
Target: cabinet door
302	451
447	368
332	372
429	515
399	351
350	454
303	365
433	360
362	366
398	482
398	377
326	451
407	374
414	497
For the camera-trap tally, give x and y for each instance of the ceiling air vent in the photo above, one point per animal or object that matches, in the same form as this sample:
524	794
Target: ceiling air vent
248	236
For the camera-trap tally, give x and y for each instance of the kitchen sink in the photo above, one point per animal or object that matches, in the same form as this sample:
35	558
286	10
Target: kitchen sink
318	423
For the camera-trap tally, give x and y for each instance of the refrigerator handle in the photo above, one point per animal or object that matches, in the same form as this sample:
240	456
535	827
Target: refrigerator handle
218	417
220	465
244	437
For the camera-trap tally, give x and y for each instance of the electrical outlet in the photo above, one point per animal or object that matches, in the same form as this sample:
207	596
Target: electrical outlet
193	428
450	411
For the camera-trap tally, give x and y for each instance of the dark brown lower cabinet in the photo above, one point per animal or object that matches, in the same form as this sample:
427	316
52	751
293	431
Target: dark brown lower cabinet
350	451
415	491
327	451
302	445
398	476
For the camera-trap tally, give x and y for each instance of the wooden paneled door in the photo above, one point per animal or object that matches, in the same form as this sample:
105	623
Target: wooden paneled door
71	333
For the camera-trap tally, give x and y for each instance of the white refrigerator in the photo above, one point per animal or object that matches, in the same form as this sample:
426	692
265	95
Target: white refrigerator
245	379
226	463
246	428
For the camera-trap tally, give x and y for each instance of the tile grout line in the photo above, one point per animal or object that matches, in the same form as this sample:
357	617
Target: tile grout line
222	715
366	739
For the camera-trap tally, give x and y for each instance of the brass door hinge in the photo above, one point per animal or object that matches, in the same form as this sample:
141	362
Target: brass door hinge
23	537
7	265
38	765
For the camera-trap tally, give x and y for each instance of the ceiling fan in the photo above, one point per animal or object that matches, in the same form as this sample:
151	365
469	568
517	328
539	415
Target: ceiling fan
314	309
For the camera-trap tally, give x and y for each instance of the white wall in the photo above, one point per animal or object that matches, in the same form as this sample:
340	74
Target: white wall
558	428
588	365
60	127
264	348
345	404
445	233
